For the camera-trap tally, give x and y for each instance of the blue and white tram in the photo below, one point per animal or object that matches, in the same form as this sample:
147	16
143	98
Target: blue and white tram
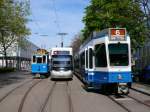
105	61
62	63
40	63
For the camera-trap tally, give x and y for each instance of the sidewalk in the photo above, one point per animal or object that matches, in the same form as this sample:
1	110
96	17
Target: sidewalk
15	72
13	77
141	87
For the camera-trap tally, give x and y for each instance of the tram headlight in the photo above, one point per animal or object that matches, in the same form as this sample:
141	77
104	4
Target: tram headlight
91	73
120	77
44	66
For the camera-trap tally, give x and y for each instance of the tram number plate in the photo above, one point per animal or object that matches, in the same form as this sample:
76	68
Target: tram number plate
117	34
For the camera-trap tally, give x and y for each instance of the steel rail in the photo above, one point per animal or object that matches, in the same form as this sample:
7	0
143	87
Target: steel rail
7	94
26	94
48	97
121	105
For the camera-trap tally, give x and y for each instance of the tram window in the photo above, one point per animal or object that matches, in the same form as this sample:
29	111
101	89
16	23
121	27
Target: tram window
39	59
118	54
76	64
90	58
100	55
44	59
34	59
82	60
86	58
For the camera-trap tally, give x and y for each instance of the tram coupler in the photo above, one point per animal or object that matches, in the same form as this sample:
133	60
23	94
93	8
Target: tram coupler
122	88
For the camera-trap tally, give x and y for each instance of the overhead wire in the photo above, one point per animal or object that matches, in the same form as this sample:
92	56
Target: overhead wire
34	18
56	16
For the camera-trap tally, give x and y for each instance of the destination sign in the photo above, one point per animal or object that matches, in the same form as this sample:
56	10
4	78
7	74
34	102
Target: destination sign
41	51
117	34
61	52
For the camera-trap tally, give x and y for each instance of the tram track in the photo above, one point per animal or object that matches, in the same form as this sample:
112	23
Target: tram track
11	91
26	95
142	92
120	104
50	99
69	97
129	97
138	101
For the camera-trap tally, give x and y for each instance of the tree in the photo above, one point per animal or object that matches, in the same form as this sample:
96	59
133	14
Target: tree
101	14
13	19
146	8
76	42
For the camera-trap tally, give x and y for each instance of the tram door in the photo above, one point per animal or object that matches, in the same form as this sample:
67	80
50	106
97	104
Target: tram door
88	59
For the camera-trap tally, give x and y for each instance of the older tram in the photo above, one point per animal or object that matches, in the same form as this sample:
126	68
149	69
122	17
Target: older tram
40	63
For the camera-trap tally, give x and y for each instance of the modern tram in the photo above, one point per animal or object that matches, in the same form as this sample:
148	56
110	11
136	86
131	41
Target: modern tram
61	63
40	63
104	61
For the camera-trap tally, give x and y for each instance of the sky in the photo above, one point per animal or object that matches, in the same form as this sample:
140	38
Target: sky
50	17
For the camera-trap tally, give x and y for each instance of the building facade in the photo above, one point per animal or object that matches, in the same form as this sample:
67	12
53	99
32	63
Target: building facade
19	57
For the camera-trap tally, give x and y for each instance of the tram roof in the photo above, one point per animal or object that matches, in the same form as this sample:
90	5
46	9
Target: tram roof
61	48
98	34
95	35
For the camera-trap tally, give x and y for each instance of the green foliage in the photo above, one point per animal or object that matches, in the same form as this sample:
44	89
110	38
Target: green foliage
76	42
13	19
101	14
6	70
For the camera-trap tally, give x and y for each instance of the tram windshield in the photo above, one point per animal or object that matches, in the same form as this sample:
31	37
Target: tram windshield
118	54
39	59
61	62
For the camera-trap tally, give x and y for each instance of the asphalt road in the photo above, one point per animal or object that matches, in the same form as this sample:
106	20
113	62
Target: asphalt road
44	95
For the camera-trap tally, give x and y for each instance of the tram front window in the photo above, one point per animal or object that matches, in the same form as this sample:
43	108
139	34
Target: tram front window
34	59
62	62
39	59
118	54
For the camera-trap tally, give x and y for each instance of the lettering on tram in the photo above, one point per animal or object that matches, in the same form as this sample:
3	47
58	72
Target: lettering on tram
61	52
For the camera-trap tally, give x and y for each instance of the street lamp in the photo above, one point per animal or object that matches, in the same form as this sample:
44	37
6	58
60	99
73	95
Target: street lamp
62	34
